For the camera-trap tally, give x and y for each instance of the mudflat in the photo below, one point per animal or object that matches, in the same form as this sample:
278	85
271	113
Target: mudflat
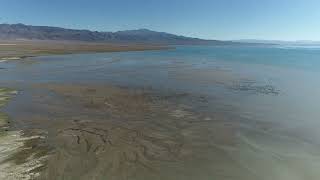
99	131
155	115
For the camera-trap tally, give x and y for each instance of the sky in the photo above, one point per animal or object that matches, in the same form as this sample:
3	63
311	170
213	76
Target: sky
208	19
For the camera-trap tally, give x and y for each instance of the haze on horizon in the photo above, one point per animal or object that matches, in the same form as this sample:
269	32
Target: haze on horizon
208	19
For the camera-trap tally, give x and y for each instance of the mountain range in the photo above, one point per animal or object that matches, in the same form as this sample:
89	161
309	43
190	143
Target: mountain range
29	32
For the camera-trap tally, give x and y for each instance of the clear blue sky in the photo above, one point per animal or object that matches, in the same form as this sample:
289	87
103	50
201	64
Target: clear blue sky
211	19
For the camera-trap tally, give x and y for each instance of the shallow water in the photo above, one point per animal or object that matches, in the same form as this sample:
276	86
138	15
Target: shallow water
271	93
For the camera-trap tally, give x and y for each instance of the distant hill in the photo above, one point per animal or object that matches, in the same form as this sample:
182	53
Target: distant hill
28	32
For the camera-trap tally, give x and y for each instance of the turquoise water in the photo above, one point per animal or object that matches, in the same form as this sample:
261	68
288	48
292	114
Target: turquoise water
300	57
274	91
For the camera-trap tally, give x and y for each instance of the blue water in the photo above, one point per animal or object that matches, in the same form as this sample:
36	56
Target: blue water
296	57
277	87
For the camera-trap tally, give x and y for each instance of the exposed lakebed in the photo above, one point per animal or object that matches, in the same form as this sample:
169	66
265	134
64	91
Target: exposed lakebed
186	113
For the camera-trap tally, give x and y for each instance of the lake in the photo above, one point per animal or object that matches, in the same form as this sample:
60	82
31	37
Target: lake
252	111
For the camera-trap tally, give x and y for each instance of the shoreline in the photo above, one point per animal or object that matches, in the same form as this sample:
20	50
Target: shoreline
19	159
17	50
13	141
140	132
